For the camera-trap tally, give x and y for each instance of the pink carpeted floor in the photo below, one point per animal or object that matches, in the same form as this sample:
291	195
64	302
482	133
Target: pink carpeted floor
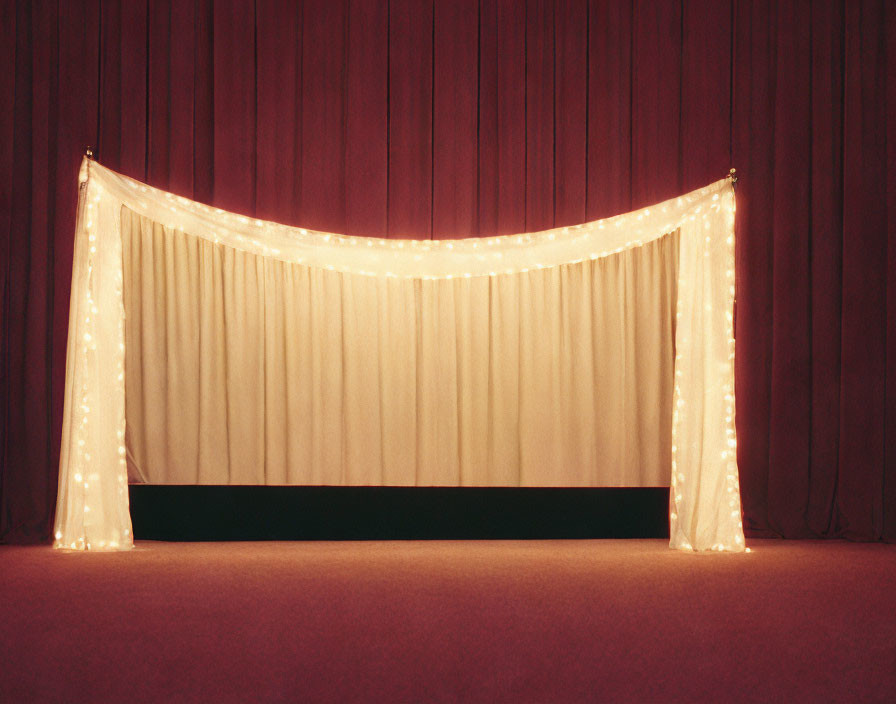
504	621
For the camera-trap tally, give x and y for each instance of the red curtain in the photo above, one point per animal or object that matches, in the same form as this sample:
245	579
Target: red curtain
441	118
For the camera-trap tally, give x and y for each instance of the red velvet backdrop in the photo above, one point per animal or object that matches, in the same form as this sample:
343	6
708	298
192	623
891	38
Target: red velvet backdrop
440	118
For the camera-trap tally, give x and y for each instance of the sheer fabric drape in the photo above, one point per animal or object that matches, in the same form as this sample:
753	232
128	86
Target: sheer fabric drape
383	287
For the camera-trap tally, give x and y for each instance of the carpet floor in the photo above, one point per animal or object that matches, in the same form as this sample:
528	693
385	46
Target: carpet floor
449	621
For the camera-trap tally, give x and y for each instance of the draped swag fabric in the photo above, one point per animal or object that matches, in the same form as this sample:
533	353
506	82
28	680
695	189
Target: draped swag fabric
434	119
301	357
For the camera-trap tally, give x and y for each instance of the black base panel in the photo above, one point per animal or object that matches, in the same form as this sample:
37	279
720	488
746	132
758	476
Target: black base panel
190	513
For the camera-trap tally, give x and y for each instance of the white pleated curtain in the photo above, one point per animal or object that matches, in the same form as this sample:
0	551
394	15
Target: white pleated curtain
243	369
264	354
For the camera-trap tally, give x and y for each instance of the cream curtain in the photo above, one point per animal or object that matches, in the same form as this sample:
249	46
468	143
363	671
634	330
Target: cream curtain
248	370
206	347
